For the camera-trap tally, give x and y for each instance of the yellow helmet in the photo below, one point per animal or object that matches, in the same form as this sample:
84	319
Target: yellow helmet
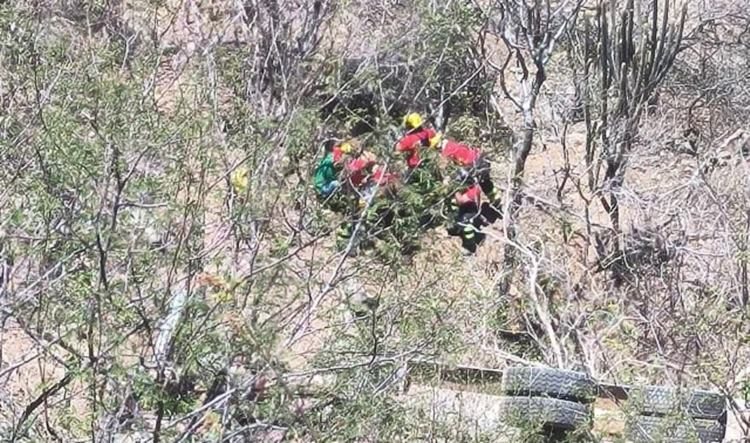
412	120
436	140
346	148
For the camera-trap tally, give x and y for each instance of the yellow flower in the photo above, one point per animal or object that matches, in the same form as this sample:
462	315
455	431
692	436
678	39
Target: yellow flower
212	422
222	297
239	179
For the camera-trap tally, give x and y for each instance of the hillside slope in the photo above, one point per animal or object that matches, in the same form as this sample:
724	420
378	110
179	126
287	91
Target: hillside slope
144	294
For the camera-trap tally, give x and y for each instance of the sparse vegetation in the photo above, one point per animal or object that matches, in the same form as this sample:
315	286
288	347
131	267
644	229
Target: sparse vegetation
168	272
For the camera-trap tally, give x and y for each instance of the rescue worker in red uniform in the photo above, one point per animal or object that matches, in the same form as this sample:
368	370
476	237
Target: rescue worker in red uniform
342	168
472	168
417	136
340	151
362	176
382	178
468	218
472	165
357	169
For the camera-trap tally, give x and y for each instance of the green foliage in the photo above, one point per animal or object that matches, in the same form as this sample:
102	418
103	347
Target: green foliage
364	417
117	204
303	127
466	128
368	98
439	67
173	397
231	65
448	46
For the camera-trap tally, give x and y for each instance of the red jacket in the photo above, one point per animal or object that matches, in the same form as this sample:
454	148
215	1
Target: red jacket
460	153
472	195
382	177
411	143
357	170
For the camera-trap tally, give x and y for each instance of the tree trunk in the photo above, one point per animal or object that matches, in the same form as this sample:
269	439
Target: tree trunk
522	150
516	199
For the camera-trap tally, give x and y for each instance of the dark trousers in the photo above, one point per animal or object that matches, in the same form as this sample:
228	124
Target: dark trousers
481	173
466	226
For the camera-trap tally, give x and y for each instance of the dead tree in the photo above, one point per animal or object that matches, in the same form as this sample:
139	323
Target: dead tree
278	42
530	32
630	56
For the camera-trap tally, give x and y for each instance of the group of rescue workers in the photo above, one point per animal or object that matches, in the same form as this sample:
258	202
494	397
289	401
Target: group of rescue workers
348	169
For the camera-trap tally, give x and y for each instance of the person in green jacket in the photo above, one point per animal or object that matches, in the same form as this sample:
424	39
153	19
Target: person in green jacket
325	176
325	179
327	170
